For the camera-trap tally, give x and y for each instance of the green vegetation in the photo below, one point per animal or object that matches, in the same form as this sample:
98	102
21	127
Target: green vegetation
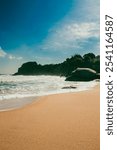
62	69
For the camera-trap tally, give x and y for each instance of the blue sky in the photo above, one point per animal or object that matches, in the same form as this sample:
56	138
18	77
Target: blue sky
46	31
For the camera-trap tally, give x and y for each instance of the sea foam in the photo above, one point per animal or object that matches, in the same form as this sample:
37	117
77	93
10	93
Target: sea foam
30	86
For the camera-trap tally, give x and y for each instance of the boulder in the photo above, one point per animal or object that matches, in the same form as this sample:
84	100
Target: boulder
69	87
83	74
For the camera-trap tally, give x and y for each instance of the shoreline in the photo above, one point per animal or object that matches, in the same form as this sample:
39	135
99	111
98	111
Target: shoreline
17	103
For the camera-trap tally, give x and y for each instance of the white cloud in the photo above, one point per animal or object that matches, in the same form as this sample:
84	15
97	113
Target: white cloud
88	10
2	52
12	57
71	36
78	31
73	32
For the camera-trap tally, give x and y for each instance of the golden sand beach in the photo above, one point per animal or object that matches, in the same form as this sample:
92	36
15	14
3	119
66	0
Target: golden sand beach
56	122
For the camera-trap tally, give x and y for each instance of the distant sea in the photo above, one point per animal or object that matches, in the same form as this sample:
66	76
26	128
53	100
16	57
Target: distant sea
19	90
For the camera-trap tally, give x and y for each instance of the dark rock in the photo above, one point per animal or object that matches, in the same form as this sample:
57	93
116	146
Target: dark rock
61	69
27	68
83	74
69	87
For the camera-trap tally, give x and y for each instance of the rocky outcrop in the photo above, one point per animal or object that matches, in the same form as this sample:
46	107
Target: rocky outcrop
83	74
27	69
61	69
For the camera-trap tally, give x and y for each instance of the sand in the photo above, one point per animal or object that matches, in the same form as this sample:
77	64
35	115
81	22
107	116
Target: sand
57	122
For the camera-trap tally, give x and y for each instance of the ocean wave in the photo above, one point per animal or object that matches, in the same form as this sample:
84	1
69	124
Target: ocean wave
27	86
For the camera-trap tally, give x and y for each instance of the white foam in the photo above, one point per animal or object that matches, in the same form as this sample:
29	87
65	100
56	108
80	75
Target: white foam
31	86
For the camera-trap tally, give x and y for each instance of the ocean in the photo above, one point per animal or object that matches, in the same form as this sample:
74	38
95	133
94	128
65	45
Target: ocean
24	87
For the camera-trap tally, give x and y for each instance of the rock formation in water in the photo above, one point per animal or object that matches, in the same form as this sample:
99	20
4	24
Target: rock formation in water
83	74
65	68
